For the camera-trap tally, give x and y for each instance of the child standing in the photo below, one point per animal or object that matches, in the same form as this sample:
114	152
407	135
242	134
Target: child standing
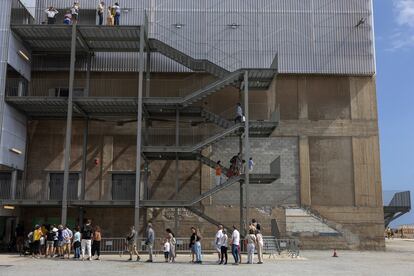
166	250
77	242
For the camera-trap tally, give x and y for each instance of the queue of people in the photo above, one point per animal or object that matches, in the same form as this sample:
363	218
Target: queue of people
71	16
59	241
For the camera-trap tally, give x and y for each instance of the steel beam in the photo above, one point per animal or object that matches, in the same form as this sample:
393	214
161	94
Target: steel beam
246	146
177	169
139	132
69	126
84	159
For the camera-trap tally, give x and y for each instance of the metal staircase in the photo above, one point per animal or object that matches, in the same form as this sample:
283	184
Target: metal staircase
186	203
212	164
198	95
205	143
216	119
197	65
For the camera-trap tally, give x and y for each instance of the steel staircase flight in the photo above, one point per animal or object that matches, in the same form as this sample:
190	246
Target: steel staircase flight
186	203
201	214
216	119
198	95
212	164
197	65
203	144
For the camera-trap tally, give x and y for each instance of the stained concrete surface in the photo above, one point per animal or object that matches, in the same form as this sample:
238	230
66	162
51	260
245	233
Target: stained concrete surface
398	259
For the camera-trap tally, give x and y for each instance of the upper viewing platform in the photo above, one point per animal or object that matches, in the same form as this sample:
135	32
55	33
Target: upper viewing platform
90	38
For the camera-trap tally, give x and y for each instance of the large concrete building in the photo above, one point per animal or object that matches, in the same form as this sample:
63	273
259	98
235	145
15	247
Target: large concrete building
80	103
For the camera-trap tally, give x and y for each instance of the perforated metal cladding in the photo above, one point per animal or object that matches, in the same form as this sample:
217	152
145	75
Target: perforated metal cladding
308	36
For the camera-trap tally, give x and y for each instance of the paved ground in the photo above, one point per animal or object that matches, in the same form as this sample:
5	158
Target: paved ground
397	260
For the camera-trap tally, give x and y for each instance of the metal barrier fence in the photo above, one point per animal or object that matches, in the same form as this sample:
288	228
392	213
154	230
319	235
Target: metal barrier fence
271	246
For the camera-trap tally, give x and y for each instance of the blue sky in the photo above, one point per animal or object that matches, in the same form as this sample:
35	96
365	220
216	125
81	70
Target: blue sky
394	35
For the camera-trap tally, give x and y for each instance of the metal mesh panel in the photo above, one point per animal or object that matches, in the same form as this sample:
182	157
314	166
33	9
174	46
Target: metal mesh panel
5	185
56	186
123	186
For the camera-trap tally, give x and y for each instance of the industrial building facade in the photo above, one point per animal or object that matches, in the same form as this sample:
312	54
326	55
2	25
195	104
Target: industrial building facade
79	103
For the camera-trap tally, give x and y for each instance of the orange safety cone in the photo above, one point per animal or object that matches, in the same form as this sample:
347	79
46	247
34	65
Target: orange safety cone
335	254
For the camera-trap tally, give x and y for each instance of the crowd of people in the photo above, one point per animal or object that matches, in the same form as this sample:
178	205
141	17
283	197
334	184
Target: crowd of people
237	167
71	16
59	241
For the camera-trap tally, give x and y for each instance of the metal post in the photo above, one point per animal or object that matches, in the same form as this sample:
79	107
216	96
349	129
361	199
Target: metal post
13	187
139	131
146	172
242	228
88	75
69	126
177	176
148	75
246	145
84	159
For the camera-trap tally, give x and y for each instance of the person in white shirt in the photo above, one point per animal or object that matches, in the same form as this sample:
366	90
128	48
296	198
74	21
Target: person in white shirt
239	114
224	245
166	250
100	12
251	164
51	15
75	12
235	243
219	236
117	13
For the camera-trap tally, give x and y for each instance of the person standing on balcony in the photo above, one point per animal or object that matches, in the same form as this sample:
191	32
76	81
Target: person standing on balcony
117	13
75	12
51	13
100	12
235	243
86	240
110	17
149	242
239	114
132	247
67	18
96	244
218	173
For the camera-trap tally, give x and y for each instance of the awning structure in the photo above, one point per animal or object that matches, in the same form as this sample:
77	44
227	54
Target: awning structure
90	38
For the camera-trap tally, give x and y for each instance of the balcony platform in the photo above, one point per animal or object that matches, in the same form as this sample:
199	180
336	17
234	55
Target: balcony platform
90	38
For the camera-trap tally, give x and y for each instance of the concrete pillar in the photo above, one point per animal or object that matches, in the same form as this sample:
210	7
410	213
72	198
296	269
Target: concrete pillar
304	170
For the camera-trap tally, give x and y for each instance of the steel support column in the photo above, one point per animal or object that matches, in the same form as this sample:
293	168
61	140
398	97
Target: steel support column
148	74
139	132
69	126
88	75
13	187
246	147
177	169
84	159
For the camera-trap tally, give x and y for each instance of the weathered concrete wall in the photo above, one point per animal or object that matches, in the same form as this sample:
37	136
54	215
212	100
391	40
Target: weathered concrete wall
327	140
284	191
